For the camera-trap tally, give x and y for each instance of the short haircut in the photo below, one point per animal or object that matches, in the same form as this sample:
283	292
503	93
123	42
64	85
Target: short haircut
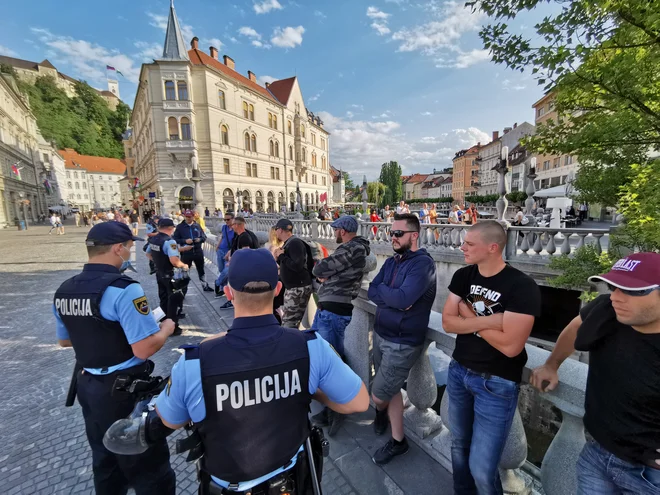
491	231
255	296
93	251
230	215
239	219
412	222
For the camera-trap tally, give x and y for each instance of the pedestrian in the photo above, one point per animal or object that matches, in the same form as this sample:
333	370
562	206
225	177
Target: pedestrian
207	213
340	275
433	213
190	233
453	215
151	227
374	218
296	262
77	218
85	218
105	317
583	208
471	215
110	215
222	250
278	372
134	219
53	224
491	307
60	225
621	332
243	239
424	214
162	249
403	291
401	208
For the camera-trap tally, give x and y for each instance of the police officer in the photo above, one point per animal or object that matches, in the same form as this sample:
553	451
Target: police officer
248	391
189	233
104	315
151	227
165	253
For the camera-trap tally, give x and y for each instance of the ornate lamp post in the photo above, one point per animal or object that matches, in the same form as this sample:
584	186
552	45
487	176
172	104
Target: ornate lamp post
502	169
162	199
365	197
239	200
530	190
298	198
196	178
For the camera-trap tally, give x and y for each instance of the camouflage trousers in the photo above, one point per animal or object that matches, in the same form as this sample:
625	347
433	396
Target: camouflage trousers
295	304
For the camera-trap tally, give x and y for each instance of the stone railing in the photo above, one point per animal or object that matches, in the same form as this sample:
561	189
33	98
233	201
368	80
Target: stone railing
432	432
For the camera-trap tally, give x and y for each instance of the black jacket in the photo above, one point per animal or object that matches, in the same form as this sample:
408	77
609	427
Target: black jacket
296	263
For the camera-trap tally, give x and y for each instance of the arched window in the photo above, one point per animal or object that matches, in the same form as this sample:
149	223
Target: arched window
170	93
102	189
304	155
84	185
75	175
69	185
251	112
221	99
245	110
272	148
78	196
185	129
77	186
323	163
277	149
313	159
253	142
274	121
247	141
288	124
290	152
183	90
302	130
224	134
173	127
270	119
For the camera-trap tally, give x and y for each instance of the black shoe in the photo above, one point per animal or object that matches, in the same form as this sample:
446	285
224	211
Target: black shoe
218	292
152	271
390	450
227	305
381	422
181	316
177	331
207	288
336	421
321	419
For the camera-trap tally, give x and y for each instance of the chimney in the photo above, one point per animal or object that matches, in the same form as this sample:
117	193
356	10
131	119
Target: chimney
507	129
267	84
195	43
214	52
515	125
496	135
229	62
252	76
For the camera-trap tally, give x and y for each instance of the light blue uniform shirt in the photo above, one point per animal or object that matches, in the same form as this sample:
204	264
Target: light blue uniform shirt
169	248
117	305
185	400
150	228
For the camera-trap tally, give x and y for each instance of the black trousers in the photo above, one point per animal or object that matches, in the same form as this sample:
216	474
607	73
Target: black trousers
148	473
171	301
191	257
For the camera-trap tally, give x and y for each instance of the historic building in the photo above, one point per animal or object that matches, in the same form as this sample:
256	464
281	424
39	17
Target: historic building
255	142
22	172
55	184
466	173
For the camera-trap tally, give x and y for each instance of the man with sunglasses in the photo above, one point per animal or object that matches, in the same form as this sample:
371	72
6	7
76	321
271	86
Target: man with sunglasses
224	245
403	291
621	331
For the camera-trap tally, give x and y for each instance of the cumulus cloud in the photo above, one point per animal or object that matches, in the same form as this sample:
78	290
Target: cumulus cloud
213	42
379	18
266	6
249	32
289	37
8	52
315	97
148	51
266	79
507	85
375	13
426	114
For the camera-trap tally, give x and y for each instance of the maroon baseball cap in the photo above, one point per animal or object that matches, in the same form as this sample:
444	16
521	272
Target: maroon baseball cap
188	213
638	271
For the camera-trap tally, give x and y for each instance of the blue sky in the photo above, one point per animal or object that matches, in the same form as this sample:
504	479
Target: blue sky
392	79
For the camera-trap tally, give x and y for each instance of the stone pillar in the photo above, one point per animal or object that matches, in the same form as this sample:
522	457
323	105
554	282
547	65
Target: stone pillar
314	225
196	178
502	168
357	341
422	393
558	471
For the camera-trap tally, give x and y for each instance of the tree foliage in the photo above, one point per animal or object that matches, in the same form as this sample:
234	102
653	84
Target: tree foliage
576	269
390	176
602	60
84	122
375	192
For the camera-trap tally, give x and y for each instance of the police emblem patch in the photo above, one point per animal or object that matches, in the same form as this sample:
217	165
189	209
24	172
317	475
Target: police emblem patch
169	386
141	305
173	245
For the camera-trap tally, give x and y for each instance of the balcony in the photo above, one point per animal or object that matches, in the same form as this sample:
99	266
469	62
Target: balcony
180	144
177	105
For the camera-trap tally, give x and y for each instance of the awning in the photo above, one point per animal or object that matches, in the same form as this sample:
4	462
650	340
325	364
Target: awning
556	192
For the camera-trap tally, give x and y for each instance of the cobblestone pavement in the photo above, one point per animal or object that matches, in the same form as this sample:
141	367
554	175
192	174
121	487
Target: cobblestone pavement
44	449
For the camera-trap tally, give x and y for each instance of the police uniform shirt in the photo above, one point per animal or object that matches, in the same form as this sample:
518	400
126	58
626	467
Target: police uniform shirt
150	228
169	248
183	399
127	306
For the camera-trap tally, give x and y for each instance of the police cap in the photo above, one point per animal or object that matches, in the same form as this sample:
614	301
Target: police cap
165	222
252	265
108	233
284	224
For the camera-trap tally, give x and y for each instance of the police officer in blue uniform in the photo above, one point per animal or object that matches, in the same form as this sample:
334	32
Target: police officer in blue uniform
248	391
151	227
190	233
105	317
163	250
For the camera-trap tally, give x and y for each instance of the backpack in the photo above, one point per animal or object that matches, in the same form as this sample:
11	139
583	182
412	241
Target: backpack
254	238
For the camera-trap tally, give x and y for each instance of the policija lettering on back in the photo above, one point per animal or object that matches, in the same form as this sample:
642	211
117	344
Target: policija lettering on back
74	307
247	393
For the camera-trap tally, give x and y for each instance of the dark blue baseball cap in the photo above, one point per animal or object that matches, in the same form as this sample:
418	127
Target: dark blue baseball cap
108	233
165	222
252	265
347	222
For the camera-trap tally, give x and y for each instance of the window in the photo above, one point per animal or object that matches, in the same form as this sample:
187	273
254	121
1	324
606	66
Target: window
290	152
277	173
86	197
568	160
313	159
540	112
253	143
69	185
314	139
288	125
556	162
324	181
225	163
291	176
245	110
82	175
302	130
224	134
272	148
248	169
304	155
173	127
75	175
68	174
270	120
130	152
170	94
101	188
323	163
322	143
313	178
277	149
84	185
77	185
247	141
546	165
306	177
185	129
221	100
183	90
254	170
272	172
274	121
100	177
78	196
251	112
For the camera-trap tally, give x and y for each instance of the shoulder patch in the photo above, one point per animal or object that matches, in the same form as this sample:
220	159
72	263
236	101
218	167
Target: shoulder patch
169	385
172	245
141	305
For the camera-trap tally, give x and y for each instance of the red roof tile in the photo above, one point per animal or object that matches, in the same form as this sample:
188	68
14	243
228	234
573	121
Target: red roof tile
282	89
416	178
95	164
198	57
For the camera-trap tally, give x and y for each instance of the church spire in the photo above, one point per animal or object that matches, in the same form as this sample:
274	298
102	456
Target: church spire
175	48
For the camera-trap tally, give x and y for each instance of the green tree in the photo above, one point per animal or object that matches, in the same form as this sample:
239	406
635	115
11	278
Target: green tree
375	192
601	58
576	269
390	176
640	205
348	182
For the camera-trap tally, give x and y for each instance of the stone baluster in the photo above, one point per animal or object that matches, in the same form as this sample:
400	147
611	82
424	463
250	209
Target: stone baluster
566	245
422	393
524	246
580	241
558	470
550	248
314	225
502	169
597	245
357	339
538	245
455	237
511	249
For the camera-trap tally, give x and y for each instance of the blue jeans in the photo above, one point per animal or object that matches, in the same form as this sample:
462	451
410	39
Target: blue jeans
481	409
331	327
220	257
602	473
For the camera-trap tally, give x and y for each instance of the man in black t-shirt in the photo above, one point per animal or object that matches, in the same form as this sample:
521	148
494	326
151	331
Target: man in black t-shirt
621	331
491	306
243	239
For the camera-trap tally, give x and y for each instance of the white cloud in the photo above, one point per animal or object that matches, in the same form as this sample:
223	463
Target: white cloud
88	59
148	51
288	37
213	42
507	85
349	115
320	14
160	22
466	59
7	51
266	6
426	114
249	32
266	79
379	18
375	13
315	97
260	44
380	28
359	107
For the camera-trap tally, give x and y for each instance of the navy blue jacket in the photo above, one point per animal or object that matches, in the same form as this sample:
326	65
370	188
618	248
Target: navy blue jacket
193	231
404	291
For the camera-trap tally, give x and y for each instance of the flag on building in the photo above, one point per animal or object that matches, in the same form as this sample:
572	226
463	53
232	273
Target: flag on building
49	190
324	197
109	67
136	183
119	72
16	171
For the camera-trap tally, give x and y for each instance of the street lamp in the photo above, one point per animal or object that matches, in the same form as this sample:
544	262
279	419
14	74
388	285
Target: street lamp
22	195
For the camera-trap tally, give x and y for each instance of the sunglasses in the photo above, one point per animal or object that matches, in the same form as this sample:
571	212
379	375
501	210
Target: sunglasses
228	219
633	293
400	233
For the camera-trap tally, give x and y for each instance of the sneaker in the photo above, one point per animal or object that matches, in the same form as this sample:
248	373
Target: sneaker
152	271
182	316
390	450
321	419
336	421
381	422
227	305
177	331
218	292
207	288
